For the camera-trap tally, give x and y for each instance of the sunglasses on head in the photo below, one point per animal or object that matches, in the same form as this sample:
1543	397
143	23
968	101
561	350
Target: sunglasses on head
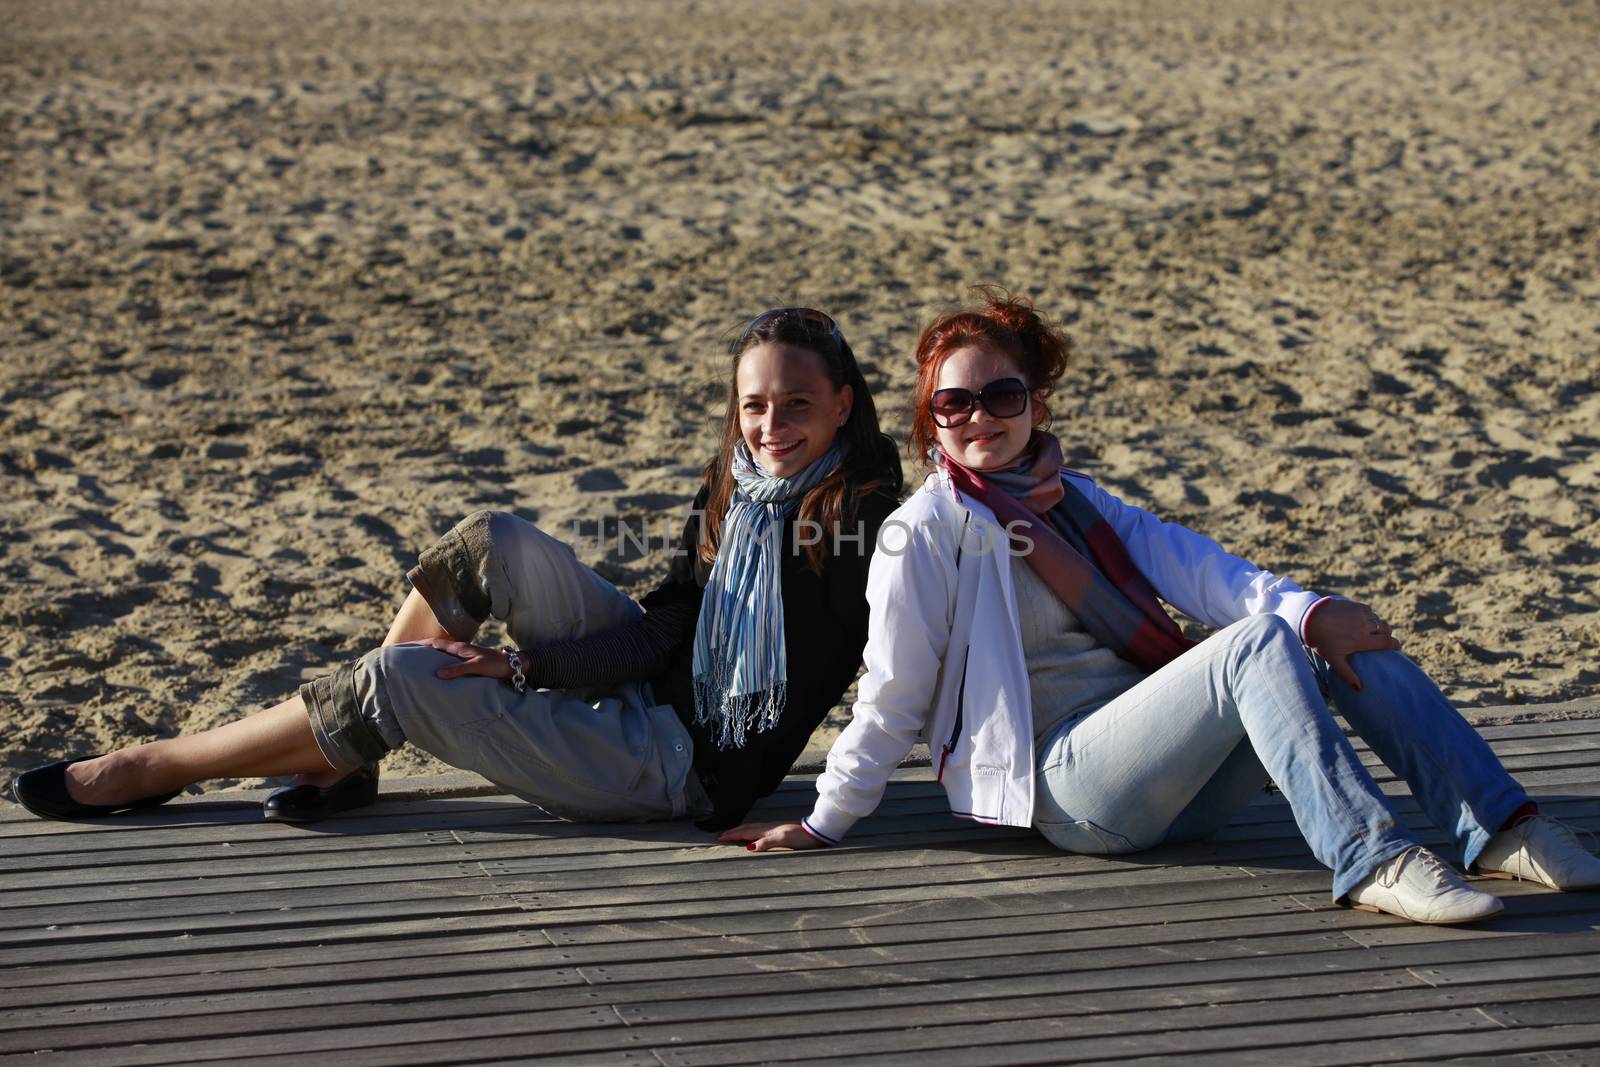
810	314
1003	398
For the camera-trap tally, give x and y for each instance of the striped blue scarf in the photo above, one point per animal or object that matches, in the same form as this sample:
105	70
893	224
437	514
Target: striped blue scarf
741	676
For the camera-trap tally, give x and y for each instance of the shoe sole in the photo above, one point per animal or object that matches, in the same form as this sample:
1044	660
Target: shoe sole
1508	876
274	815
278	816
1430	922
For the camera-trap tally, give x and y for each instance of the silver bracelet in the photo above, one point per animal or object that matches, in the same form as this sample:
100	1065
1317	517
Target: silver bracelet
519	680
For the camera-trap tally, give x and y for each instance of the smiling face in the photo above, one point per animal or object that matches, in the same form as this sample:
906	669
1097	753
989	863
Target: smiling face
983	442
789	410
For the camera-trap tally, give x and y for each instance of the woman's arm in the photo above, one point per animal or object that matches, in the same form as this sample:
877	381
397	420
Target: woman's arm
631	652
1204	581
1195	574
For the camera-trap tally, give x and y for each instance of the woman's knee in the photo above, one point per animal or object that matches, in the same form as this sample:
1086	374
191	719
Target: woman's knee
509	537
481	532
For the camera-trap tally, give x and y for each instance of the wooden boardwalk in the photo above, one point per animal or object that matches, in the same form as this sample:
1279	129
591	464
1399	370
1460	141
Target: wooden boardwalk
474	929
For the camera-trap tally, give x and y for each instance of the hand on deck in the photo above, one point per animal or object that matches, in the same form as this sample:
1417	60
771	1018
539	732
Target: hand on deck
475	660
1340	628
764	836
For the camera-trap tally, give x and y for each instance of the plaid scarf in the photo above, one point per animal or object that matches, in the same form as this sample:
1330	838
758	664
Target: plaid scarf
1074	549
741	672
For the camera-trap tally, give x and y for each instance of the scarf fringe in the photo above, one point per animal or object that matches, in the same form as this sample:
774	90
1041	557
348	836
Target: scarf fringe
732	717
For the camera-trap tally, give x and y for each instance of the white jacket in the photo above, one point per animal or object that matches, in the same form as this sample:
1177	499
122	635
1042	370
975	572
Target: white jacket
944	656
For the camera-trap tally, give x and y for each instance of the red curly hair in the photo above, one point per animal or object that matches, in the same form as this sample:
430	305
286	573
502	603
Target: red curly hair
997	320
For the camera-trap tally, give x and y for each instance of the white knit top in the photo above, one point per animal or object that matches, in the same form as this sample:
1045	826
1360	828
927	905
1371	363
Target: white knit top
1069	671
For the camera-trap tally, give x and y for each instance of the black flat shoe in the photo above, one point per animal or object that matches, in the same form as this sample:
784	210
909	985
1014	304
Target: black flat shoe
43	791
308	803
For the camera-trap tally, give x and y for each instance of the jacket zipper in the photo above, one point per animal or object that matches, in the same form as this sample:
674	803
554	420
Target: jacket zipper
955	733
961	694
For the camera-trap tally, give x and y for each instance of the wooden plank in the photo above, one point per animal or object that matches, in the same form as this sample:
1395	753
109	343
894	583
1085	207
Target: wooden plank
1434	1038
175	862
1157	994
1130	904
843	870
1519	746
959	1044
1494	731
976	871
1283	960
196	814
598	965
1571	1046
1543	1045
1516	766
82	1035
156	844
1579	916
371	927
1249	967
1580	811
203	907
825	953
942	1027
105	981
533	856
919	1026
202	943
298	918
383	984
201	880
1197	921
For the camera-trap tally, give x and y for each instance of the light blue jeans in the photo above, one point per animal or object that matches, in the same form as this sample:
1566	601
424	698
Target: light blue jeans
1173	758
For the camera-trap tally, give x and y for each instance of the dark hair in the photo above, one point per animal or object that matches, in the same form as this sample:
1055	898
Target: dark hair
1006	323
870	461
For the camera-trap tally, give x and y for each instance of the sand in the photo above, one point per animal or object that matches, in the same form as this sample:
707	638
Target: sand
287	287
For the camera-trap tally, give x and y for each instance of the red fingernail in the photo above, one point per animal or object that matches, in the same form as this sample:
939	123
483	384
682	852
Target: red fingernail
751	847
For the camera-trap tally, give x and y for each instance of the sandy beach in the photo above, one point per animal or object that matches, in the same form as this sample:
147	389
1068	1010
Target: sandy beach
286	288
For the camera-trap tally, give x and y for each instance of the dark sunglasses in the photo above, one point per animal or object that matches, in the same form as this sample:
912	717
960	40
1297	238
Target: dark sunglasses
810	314
1003	398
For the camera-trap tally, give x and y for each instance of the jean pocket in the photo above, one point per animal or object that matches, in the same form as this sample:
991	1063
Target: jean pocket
1083	836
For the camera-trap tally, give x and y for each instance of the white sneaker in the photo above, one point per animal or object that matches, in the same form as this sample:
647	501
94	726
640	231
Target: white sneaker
1540	849
1419	886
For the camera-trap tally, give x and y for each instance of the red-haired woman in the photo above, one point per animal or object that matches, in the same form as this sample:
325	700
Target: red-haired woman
694	702
1015	625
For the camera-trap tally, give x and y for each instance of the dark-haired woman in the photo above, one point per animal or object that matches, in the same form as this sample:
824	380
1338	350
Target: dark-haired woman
693	702
1015	625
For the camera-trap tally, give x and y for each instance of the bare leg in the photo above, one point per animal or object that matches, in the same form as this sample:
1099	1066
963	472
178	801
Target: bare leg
275	741
414	622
